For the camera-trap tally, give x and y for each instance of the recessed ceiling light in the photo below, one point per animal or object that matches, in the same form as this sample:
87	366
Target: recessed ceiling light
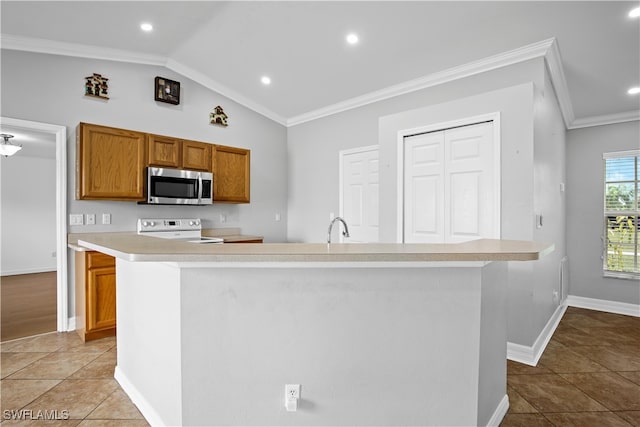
145	26
634	91
634	13
265	80
352	38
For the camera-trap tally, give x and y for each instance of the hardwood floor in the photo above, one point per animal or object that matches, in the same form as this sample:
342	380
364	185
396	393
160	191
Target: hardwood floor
29	305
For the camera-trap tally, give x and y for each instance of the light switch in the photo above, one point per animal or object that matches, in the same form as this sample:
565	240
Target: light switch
91	219
76	219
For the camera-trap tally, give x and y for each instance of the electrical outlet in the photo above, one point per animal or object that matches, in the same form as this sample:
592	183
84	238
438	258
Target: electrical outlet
91	219
291	397
292	391
106	218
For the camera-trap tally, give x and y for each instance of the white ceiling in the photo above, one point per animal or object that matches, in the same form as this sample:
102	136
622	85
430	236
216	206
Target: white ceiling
301	45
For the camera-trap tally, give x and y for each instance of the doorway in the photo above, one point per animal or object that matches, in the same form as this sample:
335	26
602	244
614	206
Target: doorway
359	193
450	175
56	135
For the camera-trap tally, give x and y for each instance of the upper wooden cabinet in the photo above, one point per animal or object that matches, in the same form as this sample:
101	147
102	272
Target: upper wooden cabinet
231	174
110	163
196	156
165	151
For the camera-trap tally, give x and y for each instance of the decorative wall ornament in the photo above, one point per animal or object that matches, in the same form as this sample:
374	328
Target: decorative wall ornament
96	85
218	117
167	91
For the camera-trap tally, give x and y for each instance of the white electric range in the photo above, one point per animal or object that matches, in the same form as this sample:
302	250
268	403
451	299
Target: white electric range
181	229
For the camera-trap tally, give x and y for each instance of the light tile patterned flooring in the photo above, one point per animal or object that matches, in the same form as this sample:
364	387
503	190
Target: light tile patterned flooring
589	375
72	381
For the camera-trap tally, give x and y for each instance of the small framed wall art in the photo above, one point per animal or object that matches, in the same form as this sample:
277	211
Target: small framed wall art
167	91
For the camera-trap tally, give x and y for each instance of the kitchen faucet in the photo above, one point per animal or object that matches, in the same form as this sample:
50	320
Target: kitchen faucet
345	233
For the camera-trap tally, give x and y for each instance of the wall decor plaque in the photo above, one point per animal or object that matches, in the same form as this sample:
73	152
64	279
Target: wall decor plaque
96	86
218	117
167	91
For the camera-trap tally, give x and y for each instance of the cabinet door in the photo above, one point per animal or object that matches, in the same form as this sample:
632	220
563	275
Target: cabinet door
110	163
231	174
196	156
101	298
164	151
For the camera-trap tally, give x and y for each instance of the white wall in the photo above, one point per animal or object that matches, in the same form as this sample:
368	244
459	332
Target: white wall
313	147
59	99
532	162
28	214
549	172
585	193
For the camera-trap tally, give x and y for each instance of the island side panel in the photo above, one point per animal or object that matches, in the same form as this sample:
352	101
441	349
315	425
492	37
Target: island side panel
492	389
382	346
149	348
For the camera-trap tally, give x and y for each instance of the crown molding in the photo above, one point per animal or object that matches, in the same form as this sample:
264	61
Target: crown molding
525	53
223	90
608	119
553	60
36	45
31	44
548	49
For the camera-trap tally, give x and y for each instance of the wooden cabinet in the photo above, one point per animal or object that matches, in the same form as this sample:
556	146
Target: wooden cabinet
231	174
165	151
110	163
196	156
95	286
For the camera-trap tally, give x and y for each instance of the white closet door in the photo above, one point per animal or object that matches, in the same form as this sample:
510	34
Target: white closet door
359	187
470	180
451	192
424	191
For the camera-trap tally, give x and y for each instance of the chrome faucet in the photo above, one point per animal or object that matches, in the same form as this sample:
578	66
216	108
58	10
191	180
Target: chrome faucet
345	233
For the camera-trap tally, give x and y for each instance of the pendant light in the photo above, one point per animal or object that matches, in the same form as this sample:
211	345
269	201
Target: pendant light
6	148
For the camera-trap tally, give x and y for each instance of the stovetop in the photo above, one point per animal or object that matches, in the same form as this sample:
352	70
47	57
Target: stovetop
182	229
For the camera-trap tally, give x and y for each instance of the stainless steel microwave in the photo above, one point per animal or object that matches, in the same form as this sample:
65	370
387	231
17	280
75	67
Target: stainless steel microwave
167	186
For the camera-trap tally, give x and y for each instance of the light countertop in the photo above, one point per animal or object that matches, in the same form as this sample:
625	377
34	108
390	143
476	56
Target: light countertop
132	247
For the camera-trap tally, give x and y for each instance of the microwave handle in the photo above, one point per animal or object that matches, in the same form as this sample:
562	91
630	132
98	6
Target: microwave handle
199	188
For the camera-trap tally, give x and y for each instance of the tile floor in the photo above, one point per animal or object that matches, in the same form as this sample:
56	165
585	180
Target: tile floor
589	375
72	381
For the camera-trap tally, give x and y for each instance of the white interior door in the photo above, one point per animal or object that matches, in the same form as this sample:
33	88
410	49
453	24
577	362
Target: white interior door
424	188
359	172
451	188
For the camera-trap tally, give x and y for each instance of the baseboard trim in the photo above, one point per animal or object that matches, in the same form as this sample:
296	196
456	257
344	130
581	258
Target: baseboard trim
604	305
144	407
71	324
530	355
500	412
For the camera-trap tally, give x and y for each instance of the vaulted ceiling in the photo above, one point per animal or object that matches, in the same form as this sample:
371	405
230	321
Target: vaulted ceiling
593	47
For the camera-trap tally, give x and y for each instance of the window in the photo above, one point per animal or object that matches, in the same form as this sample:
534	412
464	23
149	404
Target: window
621	214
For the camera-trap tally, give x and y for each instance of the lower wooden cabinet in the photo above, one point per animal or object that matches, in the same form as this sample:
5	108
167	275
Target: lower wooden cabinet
95	285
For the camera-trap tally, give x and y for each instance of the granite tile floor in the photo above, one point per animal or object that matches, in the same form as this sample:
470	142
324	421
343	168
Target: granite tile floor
589	375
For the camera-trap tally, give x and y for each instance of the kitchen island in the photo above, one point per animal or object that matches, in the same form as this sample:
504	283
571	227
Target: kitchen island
376	334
